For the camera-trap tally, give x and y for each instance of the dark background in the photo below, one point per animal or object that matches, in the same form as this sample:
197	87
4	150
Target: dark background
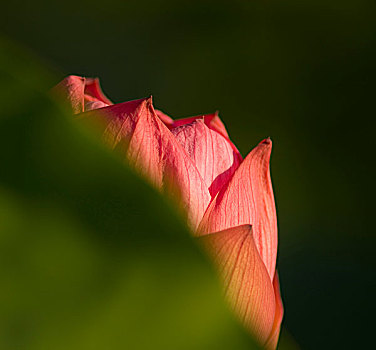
302	72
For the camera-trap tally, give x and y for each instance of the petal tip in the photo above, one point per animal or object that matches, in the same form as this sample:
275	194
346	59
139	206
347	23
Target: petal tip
267	141
149	101
149	104
73	77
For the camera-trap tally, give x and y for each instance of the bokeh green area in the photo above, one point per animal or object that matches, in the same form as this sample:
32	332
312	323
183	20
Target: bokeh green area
302	72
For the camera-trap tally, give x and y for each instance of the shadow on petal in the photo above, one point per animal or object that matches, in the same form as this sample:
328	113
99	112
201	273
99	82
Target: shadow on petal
246	281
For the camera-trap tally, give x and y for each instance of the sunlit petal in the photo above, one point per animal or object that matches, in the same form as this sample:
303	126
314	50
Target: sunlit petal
248	199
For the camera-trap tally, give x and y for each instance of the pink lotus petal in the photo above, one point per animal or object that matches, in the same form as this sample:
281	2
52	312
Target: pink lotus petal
93	90
71	89
248	199
134	129
167	120
217	124
82	94
246	281
274	334
211	120
210	151
90	105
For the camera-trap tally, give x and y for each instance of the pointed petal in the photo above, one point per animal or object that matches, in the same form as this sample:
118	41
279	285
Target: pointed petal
167	120
211	120
93	91
210	151
248	199
134	129
217	124
246	281
274	334
71	89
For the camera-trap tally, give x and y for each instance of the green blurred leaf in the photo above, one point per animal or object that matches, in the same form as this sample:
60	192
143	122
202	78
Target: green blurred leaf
90	256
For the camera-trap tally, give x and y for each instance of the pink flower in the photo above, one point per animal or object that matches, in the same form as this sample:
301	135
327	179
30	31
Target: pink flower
228	201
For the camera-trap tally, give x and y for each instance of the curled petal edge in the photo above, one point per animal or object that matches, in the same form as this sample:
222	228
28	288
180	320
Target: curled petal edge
93	89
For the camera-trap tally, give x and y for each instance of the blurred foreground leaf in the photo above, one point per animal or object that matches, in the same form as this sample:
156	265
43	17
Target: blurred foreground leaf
90	256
